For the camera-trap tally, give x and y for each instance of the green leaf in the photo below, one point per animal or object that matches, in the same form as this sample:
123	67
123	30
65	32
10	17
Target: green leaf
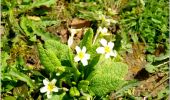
9	98
48	59
150	68
87	39
37	4
22	77
64	54
156	21
45	23
129	85
24	23
134	37
32	28
61	51
107	76
163	56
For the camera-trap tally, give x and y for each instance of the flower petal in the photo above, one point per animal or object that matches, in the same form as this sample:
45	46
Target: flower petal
103	42
107	55
56	89
87	56
53	81
76	59
84	62
104	30
49	92
70	41
111	45
45	81
100	50
84	49
113	53
43	89
49	95
72	31
78	49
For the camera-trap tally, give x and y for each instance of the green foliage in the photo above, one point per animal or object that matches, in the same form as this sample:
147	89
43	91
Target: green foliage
36	4
149	23
21	90
158	63
9	98
83	85
48	59
62	96
20	76
163	94
33	28
107	76
74	92
123	90
62	51
87	39
90	10
4	57
25	24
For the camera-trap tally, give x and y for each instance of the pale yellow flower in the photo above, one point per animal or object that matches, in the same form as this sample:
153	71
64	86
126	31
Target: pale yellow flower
81	55
107	49
49	87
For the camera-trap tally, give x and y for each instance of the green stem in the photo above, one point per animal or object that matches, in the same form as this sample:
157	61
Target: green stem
97	34
75	70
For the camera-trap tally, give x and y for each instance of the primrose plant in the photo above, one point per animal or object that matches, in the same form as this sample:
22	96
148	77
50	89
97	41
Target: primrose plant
89	72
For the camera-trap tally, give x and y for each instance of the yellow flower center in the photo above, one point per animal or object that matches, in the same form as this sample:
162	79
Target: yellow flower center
107	49
81	55
50	87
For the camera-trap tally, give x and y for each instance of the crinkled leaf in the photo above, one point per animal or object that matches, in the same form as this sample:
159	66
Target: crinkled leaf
64	54
48	59
22	77
62	51
107	76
